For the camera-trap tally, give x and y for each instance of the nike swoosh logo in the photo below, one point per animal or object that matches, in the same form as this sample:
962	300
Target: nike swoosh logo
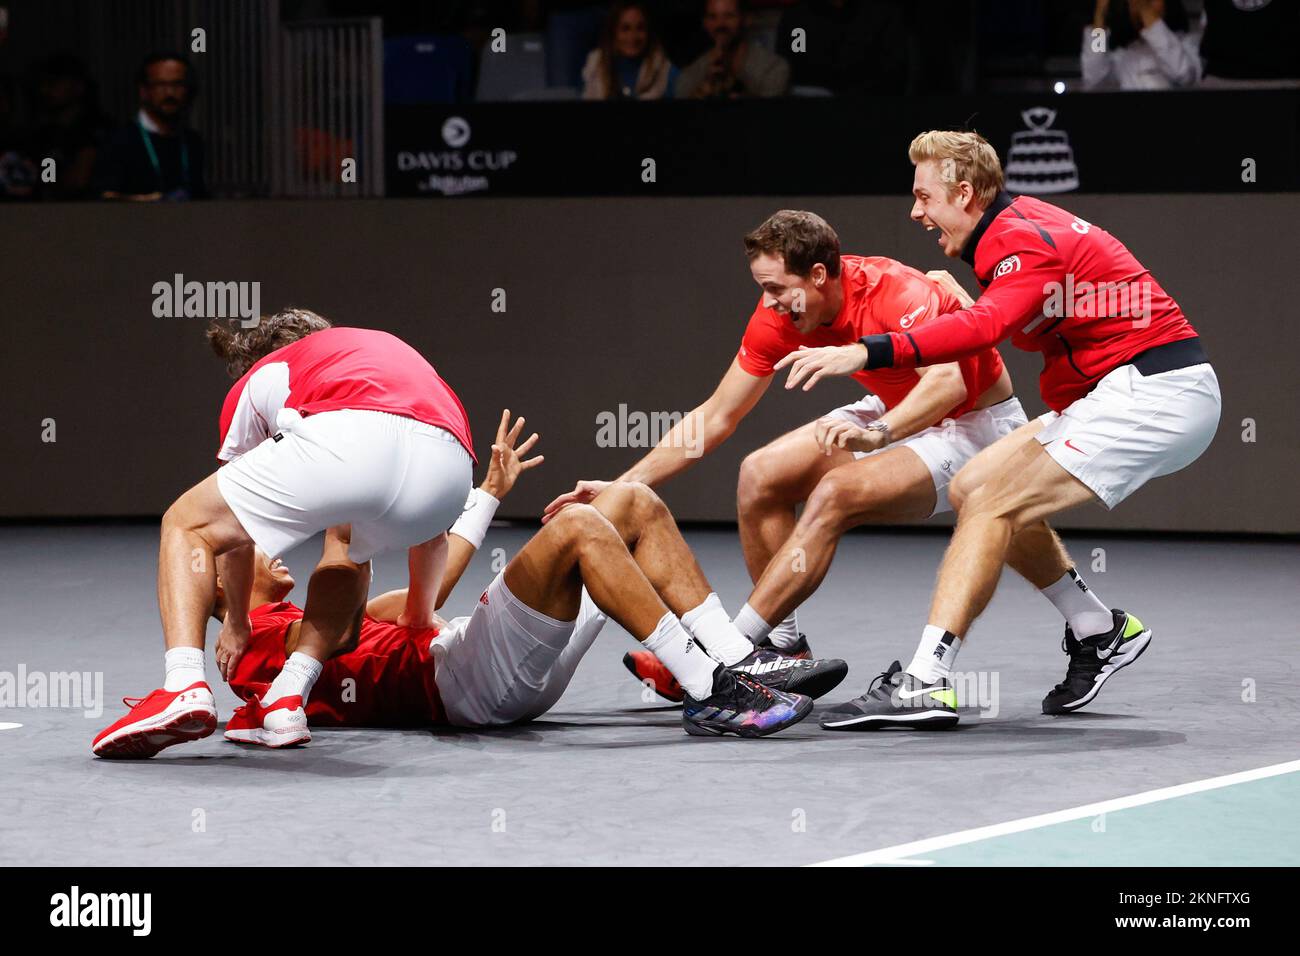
1104	653
909	694
1073	448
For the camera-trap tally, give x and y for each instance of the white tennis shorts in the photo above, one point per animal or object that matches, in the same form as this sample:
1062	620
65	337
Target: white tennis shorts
397	481
1132	427
945	447
506	662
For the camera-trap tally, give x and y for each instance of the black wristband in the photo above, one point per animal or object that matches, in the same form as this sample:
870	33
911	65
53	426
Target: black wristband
880	351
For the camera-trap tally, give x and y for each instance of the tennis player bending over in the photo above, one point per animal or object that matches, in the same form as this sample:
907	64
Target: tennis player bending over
513	657
343	430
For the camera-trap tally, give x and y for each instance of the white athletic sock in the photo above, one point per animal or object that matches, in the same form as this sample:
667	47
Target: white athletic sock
184	666
1082	610
299	674
751	625
688	661
934	655
786	634
710	625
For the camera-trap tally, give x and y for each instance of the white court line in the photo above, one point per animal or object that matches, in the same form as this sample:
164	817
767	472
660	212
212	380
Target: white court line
892	854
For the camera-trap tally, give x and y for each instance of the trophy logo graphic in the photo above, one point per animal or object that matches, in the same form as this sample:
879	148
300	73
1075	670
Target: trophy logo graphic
1041	160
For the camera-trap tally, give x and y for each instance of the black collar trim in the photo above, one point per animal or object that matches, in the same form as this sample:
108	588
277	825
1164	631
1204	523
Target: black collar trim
1000	202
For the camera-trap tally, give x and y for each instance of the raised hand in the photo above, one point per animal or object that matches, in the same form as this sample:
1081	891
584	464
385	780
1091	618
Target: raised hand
508	461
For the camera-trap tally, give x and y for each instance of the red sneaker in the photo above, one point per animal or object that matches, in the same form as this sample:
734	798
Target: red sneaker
646	667
163	718
283	724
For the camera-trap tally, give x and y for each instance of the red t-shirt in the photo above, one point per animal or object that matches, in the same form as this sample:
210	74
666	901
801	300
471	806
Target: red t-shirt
1055	284
361	369
386	681
880	295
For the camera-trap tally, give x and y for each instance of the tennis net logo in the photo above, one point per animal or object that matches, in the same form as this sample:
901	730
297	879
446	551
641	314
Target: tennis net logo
77	690
77	909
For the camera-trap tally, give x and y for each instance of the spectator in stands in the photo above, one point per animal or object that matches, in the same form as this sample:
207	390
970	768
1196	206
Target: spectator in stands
67	125
1140	45
157	157
630	62
18	173
846	46
734	66
1251	40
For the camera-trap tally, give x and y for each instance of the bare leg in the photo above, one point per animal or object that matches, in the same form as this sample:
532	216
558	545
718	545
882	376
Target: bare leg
774	480
336	598
893	485
1035	552
197	528
648	530
1038	555
580	547
1028	490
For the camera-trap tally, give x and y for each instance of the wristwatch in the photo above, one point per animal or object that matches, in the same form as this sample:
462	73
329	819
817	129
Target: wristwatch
883	427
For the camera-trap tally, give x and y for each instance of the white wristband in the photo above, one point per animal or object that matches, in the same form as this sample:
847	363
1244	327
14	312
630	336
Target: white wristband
472	525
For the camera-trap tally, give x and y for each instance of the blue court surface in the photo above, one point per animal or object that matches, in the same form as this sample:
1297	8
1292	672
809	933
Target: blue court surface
1244	819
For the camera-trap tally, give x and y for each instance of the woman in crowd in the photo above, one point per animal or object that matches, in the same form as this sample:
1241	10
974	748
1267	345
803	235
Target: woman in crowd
630	62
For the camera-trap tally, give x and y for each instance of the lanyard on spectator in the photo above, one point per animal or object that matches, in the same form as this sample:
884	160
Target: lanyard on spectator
153	156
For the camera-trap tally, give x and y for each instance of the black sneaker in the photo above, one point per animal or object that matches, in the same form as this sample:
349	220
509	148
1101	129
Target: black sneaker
740	705
1094	660
800	652
793	675
896	699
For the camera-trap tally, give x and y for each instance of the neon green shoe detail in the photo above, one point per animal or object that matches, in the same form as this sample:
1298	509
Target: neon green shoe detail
1132	628
947	697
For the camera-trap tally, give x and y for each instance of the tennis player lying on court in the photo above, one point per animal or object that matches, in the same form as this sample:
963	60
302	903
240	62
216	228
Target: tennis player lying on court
343	430
514	656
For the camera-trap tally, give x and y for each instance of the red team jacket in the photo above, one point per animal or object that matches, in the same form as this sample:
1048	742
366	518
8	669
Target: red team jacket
386	681
335	369
880	295
1032	259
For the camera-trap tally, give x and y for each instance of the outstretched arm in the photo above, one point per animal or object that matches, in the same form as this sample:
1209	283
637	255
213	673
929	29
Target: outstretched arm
701	430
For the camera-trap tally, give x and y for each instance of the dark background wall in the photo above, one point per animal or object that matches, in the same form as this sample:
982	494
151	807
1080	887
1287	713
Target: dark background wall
639	302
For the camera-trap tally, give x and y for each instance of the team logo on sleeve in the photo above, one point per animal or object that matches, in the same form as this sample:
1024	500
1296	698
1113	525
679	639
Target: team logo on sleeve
907	320
1009	264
